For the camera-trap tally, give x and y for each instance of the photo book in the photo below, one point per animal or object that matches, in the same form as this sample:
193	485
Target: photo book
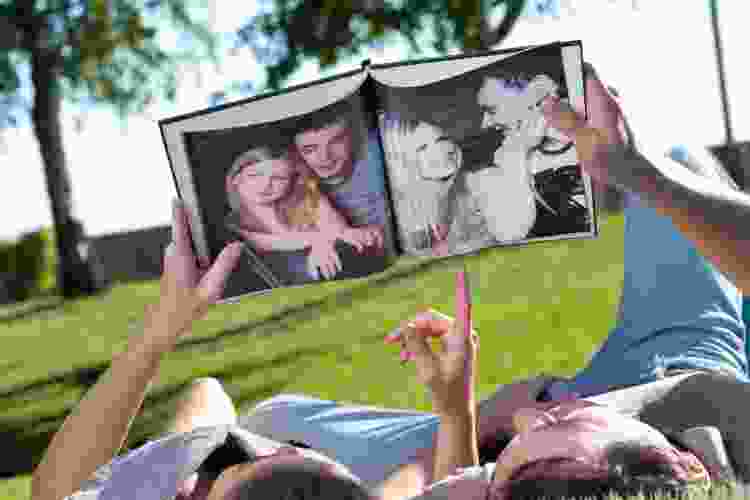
338	178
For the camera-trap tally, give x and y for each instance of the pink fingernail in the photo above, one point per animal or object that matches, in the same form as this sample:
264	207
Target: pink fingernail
404	355
423	316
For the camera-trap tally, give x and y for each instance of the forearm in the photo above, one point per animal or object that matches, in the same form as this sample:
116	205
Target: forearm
718	224
330	220
286	241
455	444
96	429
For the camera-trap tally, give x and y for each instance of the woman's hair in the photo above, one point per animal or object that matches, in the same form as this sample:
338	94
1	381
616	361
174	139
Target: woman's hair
301	208
632	469
419	201
302	482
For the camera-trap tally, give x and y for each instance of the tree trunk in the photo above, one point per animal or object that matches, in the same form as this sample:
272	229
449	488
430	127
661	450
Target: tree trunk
74	275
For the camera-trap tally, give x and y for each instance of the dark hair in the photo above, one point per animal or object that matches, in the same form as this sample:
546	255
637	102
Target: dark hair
301	482
520	78
509	75
342	111
630	472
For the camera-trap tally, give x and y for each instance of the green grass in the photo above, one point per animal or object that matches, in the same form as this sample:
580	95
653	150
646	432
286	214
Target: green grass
539	308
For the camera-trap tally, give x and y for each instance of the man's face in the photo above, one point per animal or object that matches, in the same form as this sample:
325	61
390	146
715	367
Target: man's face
328	150
438	156
499	103
264	182
227	485
579	431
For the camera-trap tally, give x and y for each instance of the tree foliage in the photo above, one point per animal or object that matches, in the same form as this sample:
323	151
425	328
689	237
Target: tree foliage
285	33
103	51
90	52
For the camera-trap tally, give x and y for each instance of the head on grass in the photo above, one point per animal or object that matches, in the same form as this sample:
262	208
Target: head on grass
582	450
286	475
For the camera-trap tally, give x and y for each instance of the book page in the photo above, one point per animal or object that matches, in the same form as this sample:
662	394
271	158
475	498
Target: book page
470	161
297	177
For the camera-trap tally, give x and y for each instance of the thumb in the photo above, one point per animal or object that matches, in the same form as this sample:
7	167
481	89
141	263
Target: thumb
212	284
561	116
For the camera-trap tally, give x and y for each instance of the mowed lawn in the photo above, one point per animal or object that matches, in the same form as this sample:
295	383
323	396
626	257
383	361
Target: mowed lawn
539	308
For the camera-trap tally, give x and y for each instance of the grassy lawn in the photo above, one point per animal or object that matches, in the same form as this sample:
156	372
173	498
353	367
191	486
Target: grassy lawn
539	308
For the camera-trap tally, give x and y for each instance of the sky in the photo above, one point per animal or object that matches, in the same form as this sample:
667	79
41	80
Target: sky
658	53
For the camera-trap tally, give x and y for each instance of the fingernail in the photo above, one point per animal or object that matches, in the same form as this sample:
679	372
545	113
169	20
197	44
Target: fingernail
404	355
423	316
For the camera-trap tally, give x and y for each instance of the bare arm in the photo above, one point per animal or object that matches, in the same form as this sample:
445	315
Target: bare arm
715	218
95	431
287	240
456	444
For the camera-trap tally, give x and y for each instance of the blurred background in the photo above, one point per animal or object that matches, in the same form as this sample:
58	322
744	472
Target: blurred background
85	186
86	190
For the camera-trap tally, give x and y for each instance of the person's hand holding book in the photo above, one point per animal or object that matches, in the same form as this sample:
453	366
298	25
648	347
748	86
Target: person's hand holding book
187	289
593	136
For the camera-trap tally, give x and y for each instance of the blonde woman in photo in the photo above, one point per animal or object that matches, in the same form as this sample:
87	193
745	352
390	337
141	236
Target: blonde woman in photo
277	206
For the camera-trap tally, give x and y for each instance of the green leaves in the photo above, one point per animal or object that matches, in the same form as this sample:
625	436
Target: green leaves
284	35
103	51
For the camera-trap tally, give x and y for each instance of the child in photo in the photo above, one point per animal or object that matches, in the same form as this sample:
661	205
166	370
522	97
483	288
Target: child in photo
277	206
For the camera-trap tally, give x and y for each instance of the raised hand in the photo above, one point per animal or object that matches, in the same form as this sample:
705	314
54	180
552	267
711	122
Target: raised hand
591	137
187	288
444	372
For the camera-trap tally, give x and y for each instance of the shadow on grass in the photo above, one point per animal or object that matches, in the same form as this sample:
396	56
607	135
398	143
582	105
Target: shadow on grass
26	312
23	440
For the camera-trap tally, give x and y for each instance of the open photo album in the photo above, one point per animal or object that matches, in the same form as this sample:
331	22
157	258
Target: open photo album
338	178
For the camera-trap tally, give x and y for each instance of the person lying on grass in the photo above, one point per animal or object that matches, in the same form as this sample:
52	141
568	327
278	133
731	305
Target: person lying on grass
675	361
675	305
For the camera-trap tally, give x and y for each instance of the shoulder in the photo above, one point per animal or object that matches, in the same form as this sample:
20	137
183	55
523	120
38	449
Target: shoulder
158	467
